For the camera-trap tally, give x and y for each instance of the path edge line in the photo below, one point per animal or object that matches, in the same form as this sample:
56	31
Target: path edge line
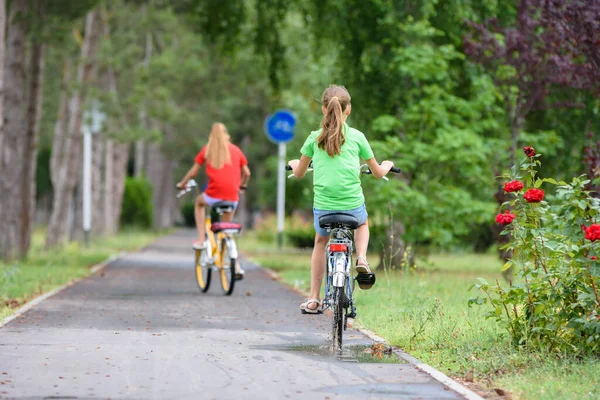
32	303
420	365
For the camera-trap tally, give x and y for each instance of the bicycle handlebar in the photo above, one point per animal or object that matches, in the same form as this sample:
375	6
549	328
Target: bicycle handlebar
188	187
394	170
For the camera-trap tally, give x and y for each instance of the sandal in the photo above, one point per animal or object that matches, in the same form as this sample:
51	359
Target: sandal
365	277
306	310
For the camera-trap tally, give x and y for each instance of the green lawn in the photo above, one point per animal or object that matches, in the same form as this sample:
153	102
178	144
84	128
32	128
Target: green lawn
426	313
43	271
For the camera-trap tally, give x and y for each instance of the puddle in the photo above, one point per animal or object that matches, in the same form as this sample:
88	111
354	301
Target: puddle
376	353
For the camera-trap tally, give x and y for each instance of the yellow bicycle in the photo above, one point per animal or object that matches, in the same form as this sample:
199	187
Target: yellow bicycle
220	250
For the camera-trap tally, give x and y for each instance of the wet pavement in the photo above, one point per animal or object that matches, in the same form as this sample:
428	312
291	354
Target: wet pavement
141	329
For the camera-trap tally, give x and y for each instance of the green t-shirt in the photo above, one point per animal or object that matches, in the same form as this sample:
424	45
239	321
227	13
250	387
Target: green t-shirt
336	180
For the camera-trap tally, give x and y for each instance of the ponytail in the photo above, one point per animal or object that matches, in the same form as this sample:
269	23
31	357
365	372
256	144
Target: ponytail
217	149
335	100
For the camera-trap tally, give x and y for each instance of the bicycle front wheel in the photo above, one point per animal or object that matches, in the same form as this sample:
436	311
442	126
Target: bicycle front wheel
227	269
338	319
203	270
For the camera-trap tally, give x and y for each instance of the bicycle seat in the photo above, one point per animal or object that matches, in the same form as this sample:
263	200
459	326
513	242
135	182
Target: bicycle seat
223	206
338	220
226	227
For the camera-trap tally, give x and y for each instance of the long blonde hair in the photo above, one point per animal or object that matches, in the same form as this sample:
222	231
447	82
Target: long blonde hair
335	100
217	150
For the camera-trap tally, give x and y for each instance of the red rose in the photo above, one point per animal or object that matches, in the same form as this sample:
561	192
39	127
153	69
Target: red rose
534	195
592	232
505	218
529	151
593	258
513	186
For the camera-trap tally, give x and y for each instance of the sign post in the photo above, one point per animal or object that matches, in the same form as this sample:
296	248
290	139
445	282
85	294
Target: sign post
279	128
92	122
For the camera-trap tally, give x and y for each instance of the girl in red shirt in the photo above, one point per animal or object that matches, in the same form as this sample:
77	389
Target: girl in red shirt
227	171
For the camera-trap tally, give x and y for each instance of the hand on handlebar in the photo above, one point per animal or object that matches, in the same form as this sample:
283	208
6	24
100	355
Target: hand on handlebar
181	184
293	164
387	165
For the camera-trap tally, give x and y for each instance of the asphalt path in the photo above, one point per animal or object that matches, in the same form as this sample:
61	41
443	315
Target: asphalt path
141	329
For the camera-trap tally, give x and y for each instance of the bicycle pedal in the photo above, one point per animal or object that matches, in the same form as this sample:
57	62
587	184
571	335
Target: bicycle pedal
365	279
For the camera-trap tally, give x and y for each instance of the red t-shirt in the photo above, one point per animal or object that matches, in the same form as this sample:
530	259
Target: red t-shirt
224	183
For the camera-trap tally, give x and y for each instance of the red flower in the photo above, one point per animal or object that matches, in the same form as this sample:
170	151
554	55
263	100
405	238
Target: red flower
593	258
505	218
529	151
534	195
513	186
592	232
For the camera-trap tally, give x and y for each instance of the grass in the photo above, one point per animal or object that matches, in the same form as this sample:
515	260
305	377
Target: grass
42	270
425	312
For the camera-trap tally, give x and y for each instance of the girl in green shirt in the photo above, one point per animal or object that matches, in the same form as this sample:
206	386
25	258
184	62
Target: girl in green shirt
336	150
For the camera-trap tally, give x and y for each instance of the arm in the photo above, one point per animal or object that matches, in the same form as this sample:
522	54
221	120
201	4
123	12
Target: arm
299	167
189	175
379	171
245	176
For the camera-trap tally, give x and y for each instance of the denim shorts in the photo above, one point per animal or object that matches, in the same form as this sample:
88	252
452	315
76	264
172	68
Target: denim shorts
360	213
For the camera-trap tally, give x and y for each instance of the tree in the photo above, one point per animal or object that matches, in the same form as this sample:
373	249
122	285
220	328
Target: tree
67	166
12	156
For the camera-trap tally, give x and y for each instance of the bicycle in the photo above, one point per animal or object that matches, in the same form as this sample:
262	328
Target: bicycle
339	287
220	250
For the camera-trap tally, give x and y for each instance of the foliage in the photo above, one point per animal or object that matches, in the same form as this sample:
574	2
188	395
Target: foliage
555	302
301	236
189	219
137	203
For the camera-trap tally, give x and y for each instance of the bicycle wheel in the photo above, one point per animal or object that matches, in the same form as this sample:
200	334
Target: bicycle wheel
203	270
227	269
338	319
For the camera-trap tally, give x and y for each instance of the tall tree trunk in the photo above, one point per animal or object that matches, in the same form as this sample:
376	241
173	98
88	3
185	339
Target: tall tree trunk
160	175
109	223
140	158
2	61
119	172
67	171
14	133
59	144
34	115
98	145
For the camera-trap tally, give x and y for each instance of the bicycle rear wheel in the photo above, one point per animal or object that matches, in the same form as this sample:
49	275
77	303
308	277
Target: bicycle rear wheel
338	319
227	269
203	270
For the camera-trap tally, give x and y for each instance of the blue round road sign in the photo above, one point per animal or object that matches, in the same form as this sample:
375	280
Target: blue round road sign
279	126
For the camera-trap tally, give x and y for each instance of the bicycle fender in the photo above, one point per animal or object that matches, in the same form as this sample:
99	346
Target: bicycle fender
233	251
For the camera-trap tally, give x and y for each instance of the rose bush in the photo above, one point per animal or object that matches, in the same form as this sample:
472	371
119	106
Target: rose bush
553	301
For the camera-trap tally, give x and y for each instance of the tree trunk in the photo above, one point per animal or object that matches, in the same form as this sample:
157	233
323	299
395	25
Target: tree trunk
119	172
160	175
98	144
67	170
109	223
14	130
395	254
2	61
34	115
140	158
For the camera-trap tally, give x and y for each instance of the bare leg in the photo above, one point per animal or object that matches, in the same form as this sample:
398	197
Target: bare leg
361	241
317	268
199	213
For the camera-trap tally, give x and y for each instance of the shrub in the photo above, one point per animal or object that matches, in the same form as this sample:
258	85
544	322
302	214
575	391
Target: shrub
554	303
187	211
301	236
137	203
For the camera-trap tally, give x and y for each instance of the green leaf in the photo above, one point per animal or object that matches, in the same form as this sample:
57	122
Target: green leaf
506	266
